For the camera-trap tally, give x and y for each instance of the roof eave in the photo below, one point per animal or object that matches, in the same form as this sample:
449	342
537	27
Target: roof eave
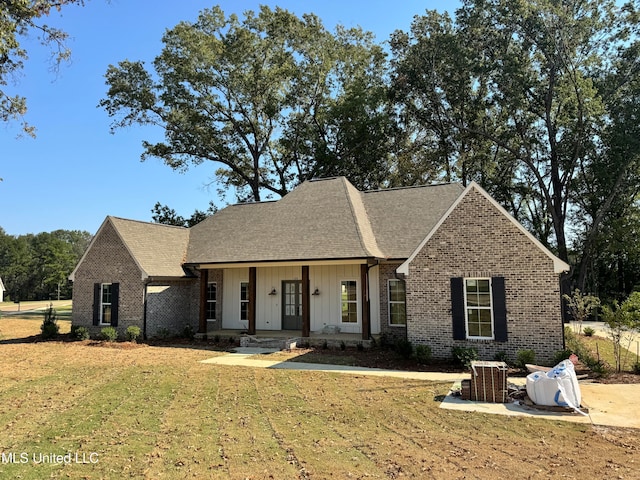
280	262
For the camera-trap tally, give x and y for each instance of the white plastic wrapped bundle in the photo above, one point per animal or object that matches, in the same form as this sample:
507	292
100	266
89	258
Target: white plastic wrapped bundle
557	387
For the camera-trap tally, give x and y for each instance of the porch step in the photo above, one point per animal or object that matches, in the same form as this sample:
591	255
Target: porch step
262	342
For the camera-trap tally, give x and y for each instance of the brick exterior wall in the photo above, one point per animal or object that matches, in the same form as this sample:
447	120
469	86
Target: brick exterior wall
171	305
390	333
477	240
108	261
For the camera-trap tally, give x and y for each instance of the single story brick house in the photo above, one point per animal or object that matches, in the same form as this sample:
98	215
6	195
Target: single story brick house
439	265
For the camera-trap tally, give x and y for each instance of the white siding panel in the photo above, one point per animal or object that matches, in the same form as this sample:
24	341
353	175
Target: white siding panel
232	277
269	307
325	308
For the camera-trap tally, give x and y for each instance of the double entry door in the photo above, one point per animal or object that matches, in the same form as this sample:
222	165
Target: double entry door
292	305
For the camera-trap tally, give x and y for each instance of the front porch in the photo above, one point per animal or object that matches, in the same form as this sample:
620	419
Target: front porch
294	298
287	339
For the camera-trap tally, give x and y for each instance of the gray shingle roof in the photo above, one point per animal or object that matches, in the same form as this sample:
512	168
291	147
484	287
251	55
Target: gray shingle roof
319	220
158	249
402	217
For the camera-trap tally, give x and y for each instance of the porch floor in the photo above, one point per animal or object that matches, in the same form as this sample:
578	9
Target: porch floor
316	339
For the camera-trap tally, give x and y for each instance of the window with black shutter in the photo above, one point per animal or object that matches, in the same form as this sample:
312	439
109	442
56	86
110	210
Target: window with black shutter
478	308
105	303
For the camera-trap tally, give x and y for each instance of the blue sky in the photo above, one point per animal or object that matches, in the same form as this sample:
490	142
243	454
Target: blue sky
75	172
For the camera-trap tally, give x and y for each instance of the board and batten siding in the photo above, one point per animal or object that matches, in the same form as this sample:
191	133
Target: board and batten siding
231	278
325	308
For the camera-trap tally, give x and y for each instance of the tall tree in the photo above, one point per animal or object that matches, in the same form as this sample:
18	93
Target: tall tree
608	189
17	17
527	74
244	94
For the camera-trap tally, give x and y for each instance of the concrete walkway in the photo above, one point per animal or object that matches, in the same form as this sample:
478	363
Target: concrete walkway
611	405
245	357
632	339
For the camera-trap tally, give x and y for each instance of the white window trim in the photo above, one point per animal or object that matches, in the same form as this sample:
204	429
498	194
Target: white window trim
389	302
212	301
357	301
466	309
102	304
240	301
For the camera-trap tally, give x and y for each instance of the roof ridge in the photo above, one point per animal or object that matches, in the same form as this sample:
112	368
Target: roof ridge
409	187
113	217
363	225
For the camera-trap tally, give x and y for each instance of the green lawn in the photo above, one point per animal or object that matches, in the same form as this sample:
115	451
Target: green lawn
602	348
157	413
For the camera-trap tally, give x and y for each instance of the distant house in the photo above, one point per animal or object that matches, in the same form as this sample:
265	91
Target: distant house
438	265
2	290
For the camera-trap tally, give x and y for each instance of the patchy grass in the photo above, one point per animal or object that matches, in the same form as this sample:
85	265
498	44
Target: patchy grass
156	412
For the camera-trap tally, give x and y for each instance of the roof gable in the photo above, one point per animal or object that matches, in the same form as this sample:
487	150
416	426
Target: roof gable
558	265
158	250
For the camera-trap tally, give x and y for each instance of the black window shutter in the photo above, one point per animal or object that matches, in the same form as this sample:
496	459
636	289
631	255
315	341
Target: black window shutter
499	309
457	308
97	291
115	297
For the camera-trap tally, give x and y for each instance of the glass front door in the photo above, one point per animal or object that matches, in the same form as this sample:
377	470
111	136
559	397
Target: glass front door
292	305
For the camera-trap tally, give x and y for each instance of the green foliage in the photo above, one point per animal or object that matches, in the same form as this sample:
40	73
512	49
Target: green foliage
109	334
525	356
621	320
16	20
581	306
588	331
49	327
78	332
574	345
404	347
269	99
168	216
163	333
561	355
325	345
501	357
636	368
464	355
521	89
37	266
343	346
188	332
423	354
132	333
